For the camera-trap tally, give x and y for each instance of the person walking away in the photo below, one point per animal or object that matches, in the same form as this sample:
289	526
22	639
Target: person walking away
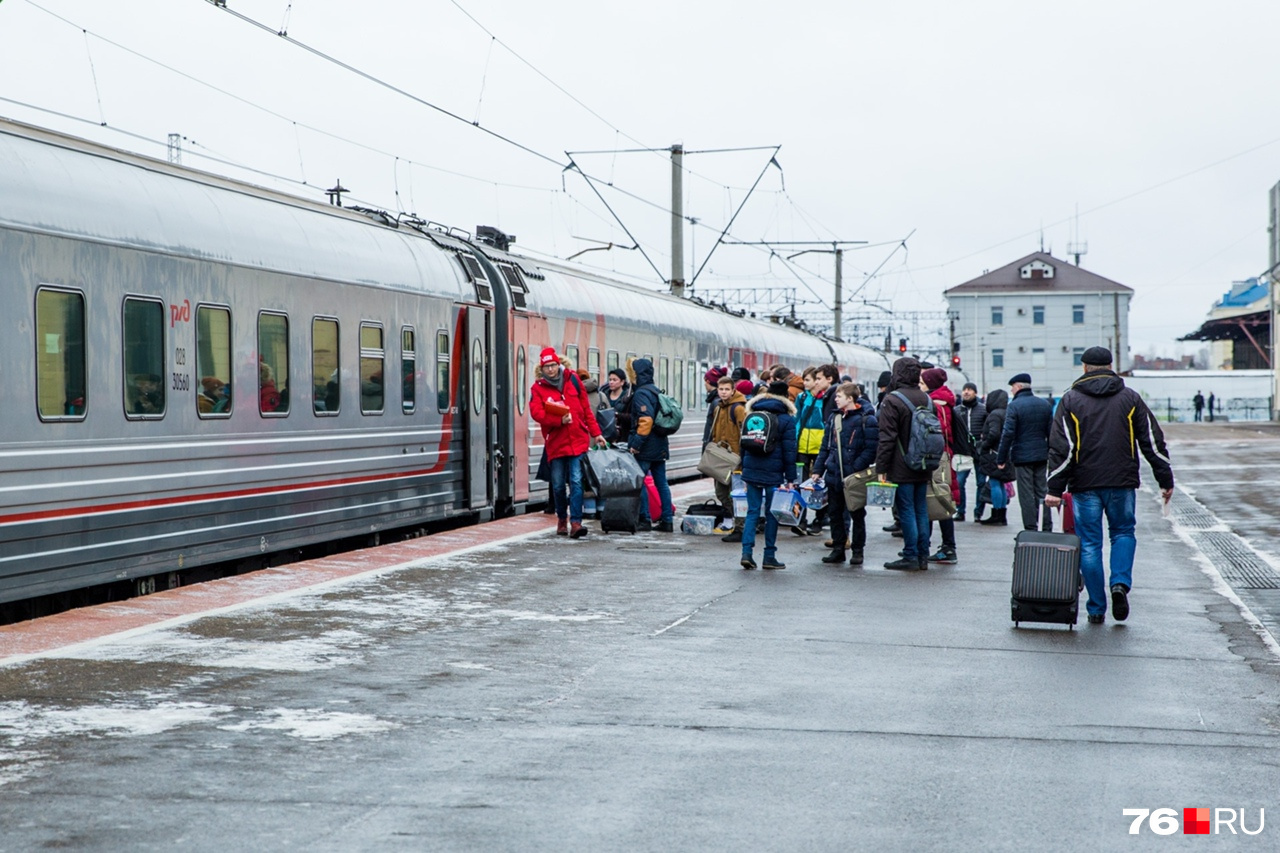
970	415
1024	442
560	405
1198	402
848	445
944	400
766	469
1212	400
988	444
724	426
882	388
810	427
894	418
651	449
1093	453
617	396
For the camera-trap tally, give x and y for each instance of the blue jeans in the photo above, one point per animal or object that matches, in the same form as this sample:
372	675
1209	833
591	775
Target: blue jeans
979	501
999	497
1118	506
758	496
913	515
659	471
567	469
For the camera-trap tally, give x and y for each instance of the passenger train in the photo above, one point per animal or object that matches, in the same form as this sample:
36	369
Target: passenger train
198	370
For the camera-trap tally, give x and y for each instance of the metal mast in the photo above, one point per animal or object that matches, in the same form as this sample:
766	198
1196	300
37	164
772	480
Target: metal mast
677	221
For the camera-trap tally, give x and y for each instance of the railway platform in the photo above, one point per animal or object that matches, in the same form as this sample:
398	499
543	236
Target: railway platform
500	688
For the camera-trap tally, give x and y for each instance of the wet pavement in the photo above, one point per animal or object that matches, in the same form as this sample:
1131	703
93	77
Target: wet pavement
504	689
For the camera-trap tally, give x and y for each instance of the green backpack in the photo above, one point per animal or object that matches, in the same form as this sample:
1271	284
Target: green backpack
669	415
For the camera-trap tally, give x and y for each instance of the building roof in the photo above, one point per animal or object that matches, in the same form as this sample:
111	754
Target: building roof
1066	278
1243	294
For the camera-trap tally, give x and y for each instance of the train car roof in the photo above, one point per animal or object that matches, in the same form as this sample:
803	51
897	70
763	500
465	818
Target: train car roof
65	186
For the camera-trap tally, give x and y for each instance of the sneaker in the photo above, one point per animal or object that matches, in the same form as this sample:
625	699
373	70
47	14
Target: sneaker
562	527
1119	601
800	530
902	564
747	563
1097	618
577	531
734	536
944	556
773	564
959	516
722	531
829	543
666	527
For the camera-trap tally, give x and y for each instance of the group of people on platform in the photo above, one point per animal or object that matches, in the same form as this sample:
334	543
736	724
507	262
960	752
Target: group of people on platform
788	428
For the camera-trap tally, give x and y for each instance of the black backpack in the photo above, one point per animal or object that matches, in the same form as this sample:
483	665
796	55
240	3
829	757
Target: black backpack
925	443
759	433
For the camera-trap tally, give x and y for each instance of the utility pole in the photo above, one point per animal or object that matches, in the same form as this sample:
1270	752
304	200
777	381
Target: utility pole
677	221
837	250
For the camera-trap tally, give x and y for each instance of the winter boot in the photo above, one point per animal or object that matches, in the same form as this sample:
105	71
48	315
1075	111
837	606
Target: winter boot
855	557
836	556
562	527
577	531
998	518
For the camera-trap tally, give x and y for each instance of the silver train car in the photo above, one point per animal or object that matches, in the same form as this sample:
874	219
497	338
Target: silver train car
198	370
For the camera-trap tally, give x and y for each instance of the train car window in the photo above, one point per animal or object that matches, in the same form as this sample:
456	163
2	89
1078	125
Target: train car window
664	374
517	284
477	377
442	371
611	360
678	375
521	377
273	364
693	384
213	361
372	360
326	380
60	355
593	364
408	370
144	383
475	273
571	353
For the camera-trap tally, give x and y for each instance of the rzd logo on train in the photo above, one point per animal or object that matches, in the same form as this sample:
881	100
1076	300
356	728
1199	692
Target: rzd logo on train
1195	821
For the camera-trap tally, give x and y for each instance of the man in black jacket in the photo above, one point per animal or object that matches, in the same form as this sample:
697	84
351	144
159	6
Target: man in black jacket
1025	442
1097	432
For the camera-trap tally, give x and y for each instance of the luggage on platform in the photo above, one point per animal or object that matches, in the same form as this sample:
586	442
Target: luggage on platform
1046	578
620	513
613	472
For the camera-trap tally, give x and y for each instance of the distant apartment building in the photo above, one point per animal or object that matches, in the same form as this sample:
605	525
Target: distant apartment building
1037	315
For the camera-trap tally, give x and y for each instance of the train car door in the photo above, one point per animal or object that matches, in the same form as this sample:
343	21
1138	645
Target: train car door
526	358
477	405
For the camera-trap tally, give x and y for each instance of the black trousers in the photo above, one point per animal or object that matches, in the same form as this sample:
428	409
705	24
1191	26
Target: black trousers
845	525
1033	485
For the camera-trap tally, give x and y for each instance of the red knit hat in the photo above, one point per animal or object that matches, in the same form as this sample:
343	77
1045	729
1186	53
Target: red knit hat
549	356
745	387
934	378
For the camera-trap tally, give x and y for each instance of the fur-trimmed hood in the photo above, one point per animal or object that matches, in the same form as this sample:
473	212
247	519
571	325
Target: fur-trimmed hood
760	398
640	371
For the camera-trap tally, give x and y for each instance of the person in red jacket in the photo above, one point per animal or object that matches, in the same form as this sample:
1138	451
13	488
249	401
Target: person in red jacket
560	405
934	381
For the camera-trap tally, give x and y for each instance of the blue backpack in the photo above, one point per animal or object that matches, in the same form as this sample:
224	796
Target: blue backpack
925	443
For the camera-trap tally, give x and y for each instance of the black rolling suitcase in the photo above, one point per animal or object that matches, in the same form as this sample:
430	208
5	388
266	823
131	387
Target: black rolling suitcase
1046	578
620	514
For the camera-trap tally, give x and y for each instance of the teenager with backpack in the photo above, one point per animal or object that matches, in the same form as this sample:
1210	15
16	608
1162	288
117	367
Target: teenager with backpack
898	461
934	381
648	441
768	447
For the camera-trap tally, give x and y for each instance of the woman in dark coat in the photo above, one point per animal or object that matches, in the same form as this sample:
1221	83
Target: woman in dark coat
988	444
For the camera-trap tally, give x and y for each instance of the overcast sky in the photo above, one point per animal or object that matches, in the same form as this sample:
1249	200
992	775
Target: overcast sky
971	126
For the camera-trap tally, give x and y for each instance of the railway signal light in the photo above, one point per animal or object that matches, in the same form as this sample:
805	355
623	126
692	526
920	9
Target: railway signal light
955	361
902	345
